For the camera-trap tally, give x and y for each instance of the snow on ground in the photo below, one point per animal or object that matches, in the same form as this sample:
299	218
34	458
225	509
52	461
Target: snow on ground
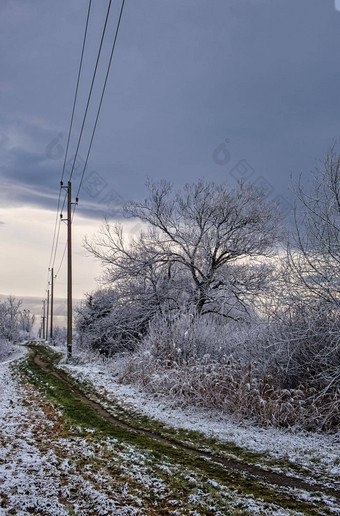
46	472
23	469
10	352
316	454
36	475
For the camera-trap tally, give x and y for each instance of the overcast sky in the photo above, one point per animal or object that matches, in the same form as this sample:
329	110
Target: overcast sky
198	88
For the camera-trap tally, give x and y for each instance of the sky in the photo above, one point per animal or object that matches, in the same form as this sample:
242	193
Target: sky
220	89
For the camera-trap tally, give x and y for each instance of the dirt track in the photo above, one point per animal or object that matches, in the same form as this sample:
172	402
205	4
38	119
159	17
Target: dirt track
277	479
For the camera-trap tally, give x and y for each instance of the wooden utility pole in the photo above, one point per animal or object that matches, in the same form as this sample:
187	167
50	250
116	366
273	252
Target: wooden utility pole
69	270
47	312
52	296
69	266
43	321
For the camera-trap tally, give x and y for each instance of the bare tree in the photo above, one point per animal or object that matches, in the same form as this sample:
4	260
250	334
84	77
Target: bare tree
314	256
203	244
26	320
312	281
9	318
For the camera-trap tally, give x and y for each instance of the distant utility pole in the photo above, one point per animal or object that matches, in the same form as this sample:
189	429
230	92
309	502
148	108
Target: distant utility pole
69	267
52	297
43	321
47	312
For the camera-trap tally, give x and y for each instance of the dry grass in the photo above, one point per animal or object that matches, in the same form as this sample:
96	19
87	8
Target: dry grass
232	387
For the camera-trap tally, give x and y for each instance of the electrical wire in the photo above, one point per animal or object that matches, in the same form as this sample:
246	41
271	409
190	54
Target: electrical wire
91	89
62	261
65	247
101	98
77	87
87	106
70	127
58	234
95	124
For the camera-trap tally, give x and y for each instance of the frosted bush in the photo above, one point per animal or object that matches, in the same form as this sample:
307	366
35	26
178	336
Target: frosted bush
228	367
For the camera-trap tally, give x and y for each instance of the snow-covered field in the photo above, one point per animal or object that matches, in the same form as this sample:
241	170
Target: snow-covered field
317	454
45	469
37	474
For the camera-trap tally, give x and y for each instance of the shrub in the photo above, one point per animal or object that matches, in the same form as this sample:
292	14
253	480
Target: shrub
227	367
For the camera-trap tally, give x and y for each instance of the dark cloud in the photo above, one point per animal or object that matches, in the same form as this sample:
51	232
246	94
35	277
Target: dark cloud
186	76
31	179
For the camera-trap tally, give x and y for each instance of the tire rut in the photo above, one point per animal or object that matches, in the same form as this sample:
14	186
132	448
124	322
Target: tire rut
279	479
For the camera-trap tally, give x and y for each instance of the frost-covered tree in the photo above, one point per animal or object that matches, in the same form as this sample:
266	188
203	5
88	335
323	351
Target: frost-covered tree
26	319
10	319
314	255
201	246
108	324
311	286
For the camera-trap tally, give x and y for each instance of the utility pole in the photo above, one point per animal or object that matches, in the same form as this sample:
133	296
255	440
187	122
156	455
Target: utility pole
69	266
47	312
43	321
52	295
69	270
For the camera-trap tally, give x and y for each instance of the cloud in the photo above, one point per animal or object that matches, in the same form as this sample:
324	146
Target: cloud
33	179
227	72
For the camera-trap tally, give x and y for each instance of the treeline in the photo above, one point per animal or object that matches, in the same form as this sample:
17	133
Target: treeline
212	306
16	324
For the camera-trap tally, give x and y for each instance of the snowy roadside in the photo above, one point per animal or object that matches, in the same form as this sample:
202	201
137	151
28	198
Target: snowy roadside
12	352
24	471
36	473
316	455
46	470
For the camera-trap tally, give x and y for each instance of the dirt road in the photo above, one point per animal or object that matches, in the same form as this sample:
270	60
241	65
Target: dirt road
71	454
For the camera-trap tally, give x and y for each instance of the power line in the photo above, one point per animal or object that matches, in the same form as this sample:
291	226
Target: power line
102	96
70	127
58	234
95	125
65	248
70	215
91	88
62	260
77	87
